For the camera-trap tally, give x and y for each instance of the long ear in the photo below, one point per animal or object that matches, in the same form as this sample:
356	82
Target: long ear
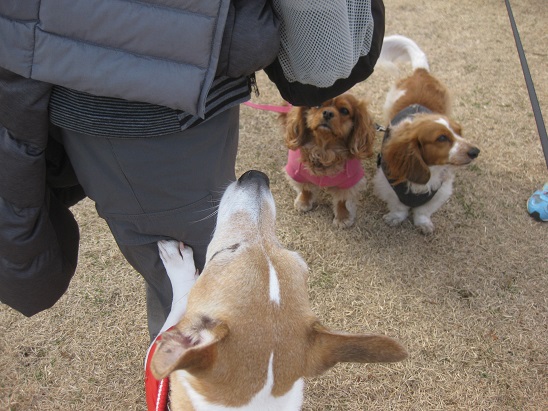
327	348
296	132
404	160
362	138
178	350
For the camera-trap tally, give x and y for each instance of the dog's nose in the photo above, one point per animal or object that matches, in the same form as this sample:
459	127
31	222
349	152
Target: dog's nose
473	152
254	174
328	115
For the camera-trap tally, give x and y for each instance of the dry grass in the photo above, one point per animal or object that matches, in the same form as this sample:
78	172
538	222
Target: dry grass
469	302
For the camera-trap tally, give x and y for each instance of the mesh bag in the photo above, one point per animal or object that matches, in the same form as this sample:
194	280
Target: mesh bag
322	40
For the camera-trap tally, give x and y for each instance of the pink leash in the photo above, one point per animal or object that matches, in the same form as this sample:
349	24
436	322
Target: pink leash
268	107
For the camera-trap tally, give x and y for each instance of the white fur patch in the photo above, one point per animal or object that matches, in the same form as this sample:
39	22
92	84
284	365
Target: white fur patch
393	95
274	284
263	400
444	123
458	139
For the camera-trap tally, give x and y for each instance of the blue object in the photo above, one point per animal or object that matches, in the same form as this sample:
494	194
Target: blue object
537	206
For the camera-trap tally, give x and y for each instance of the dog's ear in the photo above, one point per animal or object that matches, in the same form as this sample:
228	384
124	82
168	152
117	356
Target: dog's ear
404	160
360	142
190	351
327	348
296	132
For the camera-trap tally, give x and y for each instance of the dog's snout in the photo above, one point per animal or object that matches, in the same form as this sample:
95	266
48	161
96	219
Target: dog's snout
473	152
328	115
254	175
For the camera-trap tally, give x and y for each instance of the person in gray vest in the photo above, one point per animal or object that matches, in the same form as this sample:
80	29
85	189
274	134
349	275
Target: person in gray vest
132	104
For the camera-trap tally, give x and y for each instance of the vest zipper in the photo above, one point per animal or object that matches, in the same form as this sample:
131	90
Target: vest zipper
253	87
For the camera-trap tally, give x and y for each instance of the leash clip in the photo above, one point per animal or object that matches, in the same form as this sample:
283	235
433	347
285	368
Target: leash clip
378	127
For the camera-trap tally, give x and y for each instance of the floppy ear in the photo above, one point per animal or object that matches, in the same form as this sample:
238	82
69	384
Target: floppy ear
362	138
404	160
327	348
178	350
296	132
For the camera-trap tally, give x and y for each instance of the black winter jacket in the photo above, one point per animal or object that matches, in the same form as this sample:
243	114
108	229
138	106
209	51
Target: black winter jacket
38	234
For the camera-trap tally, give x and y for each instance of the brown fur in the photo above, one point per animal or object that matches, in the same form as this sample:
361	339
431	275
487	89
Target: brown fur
414	146
421	151
424	89
328	136
231	326
326	144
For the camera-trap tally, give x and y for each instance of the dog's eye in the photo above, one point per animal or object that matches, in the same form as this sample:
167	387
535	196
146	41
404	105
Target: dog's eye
344	111
442	139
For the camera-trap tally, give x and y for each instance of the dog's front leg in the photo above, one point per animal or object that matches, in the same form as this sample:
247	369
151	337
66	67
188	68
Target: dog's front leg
178	261
306	197
345	213
398	213
422	215
345	203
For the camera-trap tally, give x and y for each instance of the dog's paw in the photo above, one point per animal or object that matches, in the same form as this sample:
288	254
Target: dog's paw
177	258
424	224
169	251
345	213
343	222
393	219
303	203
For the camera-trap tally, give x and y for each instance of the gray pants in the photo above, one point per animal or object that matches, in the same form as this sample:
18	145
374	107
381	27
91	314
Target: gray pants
155	188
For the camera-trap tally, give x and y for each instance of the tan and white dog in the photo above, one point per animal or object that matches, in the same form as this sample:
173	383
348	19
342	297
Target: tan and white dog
423	145
249	336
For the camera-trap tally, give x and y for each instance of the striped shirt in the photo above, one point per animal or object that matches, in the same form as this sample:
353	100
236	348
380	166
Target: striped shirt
113	117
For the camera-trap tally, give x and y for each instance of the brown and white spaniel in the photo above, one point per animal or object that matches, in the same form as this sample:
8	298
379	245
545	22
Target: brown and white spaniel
422	146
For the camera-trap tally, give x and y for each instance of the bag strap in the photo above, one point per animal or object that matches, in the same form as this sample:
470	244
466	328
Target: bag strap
530	86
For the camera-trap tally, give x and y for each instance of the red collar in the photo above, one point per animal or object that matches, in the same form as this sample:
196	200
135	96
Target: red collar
157	391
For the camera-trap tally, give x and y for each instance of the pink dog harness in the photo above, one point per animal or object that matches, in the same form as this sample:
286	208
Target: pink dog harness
347	178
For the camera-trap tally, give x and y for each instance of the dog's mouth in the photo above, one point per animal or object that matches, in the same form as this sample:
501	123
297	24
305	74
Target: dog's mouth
465	159
460	163
324	126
